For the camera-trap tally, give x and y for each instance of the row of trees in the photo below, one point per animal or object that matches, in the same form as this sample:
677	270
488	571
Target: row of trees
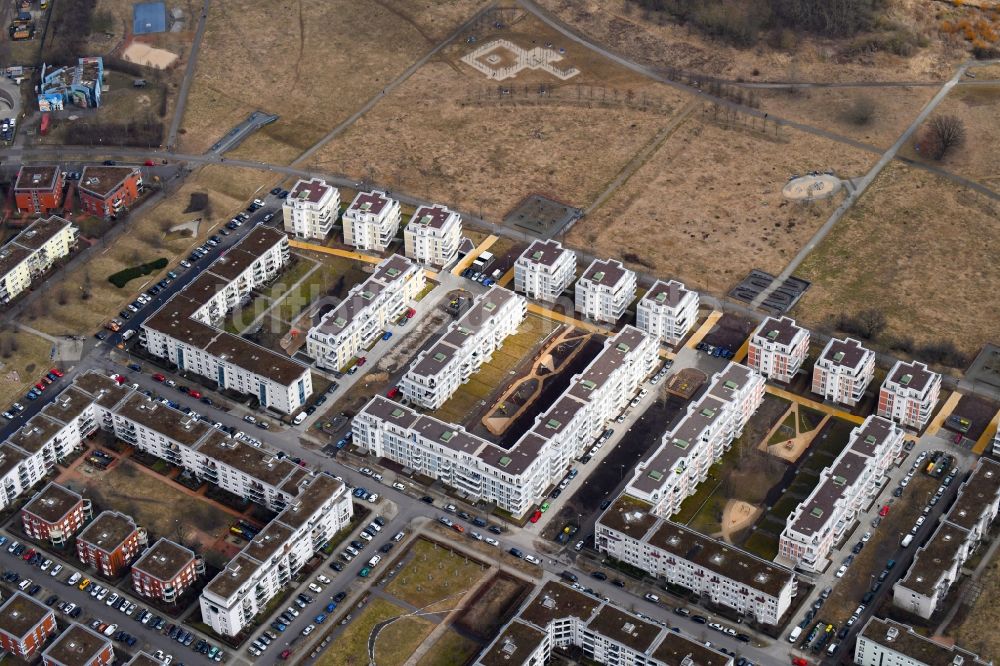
871	323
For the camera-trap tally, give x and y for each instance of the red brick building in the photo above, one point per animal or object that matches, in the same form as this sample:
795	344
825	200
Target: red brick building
107	191
164	571
25	625
110	542
55	514
79	646
38	190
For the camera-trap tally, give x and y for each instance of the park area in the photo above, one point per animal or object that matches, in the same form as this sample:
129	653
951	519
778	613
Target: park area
394	644
24	359
434	575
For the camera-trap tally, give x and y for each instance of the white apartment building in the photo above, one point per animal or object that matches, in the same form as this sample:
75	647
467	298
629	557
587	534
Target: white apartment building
432	235
674	469
437	372
843	371
605	290
32	252
560	617
545	270
517	477
271	560
311	208
845	488
909	394
778	348
371	221
721	573
938	564
884	642
667	311
365	313
184	330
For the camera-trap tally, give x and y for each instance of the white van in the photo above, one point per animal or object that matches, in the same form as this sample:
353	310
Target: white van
374	561
907	540
794	636
128	334
299	418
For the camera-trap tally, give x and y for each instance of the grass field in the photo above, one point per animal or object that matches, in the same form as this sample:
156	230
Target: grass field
711	199
434	573
977	631
28	361
241	318
905	232
451	649
395	643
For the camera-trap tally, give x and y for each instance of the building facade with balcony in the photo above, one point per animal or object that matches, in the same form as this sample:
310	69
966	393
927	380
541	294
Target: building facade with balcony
909	394
109	191
38	189
311	209
604	291
778	348
32	252
185	330
517	477
110	543
365	313
884	642
668	311
371	221
432	235
55	514
164	571
844	490
719	572
275	555
545	270
843	371
25	625
79	646
437	372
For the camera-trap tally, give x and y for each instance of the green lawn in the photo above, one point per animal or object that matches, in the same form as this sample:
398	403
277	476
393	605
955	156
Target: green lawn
784	432
762	544
394	645
434	573
451	649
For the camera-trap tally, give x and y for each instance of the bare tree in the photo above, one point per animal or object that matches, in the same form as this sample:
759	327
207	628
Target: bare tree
943	134
872	321
861	111
61	296
87	287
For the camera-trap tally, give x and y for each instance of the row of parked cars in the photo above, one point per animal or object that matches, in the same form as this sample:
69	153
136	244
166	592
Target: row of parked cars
712	350
481	278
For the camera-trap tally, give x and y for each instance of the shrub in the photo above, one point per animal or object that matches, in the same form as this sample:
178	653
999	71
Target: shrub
123	277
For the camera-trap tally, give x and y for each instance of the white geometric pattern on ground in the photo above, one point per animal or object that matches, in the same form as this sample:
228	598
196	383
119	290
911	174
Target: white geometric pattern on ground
811	188
537	58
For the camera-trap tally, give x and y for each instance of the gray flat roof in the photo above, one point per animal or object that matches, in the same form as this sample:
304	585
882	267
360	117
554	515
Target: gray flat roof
77	645
20	614
40	232
902	639
52	502
164	560
108	530
913	375
669	294
978	492
934	558
156	416
781	331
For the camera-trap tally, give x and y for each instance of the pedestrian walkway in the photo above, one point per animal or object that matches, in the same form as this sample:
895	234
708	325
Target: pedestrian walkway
507	278
469	258
988	435
704	329
742	352
946	409
812	404
565	319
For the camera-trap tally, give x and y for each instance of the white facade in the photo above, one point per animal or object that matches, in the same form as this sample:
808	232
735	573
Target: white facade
845	488
365	313
673	470
545	270
32	252
437	372
719	572
432	235
514	478
667	311
371	221
605	290
311	208
275	555
909	394
778	348
843	371
884	642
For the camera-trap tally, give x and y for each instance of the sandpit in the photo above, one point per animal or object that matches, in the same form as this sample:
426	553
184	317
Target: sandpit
812	187
738	515
147	56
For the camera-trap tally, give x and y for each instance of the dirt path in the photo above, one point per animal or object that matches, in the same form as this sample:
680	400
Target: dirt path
793	447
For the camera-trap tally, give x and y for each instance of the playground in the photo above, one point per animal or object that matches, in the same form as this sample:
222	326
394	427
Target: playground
812	187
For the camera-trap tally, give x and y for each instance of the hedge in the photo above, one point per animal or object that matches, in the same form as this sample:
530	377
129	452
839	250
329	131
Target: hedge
121	278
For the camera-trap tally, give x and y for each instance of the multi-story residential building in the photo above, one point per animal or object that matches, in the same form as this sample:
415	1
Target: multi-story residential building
843	371
110	542
937	565
143	659
32	252
517	477
673	470
109	191
365	313
371	221
884	642
778	348
844	489
909	394
561	617
437	372
25	625
311	208
38	189
667	311
432	235
164	571
545	270
271	560
184	330
55	514
79	646
719	572
605	290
